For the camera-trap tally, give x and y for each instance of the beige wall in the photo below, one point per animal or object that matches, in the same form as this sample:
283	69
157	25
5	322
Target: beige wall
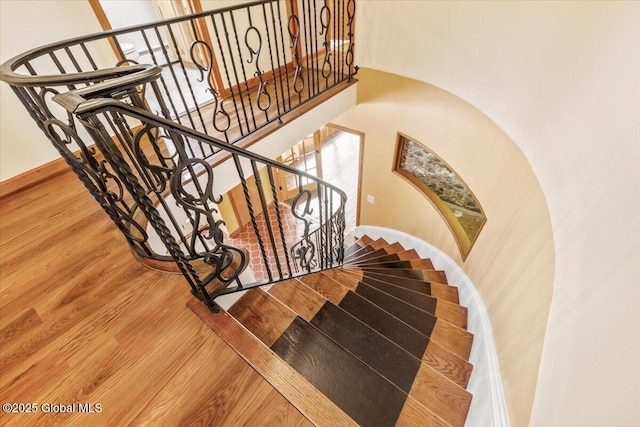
512	261
561	78
26	25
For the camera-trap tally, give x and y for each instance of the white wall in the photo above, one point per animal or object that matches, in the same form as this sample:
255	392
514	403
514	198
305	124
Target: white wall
25	25
561	78
125	13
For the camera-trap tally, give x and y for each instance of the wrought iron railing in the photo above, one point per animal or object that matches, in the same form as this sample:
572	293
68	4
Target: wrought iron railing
151	168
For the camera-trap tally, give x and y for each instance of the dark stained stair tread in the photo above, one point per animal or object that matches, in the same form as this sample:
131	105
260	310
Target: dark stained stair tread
418	264
438	393
383	256
413	341
362	393
452	313
383	249
371	247
367	256
437	276
436	290
383	355
410	339
435	391
450	336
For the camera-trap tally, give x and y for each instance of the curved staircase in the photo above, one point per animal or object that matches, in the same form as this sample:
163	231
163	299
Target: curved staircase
380	341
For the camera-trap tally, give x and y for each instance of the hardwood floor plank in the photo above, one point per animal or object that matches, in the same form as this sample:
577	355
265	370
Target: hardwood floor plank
14	330
109	330
267	408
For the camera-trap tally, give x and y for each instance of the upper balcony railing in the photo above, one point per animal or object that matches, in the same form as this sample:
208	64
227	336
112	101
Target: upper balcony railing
142	133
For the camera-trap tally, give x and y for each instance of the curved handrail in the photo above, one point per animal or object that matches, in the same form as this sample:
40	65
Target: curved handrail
84	108
159	174
7	69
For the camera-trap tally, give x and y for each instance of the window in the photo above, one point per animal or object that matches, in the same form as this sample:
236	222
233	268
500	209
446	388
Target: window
435	179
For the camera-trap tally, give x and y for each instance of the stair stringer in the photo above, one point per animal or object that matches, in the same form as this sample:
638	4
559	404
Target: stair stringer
488	407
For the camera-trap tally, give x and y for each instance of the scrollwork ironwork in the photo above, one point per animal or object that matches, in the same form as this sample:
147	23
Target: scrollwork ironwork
351	14
198	202
325	19
218	108
103	185
294	35
304	252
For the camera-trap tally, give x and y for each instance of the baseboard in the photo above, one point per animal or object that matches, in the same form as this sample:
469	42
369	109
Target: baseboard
488	407
32	177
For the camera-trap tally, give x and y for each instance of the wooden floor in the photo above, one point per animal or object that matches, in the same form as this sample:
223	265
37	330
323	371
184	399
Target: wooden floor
82	322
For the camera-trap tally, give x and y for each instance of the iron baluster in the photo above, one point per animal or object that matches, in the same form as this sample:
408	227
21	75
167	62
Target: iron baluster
294	34
72	58
184	73
277	63
279	218
244	73
89	57
161	78
351	14
265	213
247	197
284	58
235	73
218	106
307	50
326	63
226	71
255	56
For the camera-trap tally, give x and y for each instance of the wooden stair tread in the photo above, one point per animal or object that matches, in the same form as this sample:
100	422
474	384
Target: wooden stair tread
438	276
436	290
377	351
363	394
452	313
382	339
383	256
417	264
441	395
435	391
262	315
450	336
293	387
369	252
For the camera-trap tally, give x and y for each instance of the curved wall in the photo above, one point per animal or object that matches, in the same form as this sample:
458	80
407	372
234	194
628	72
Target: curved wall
512	261
561	78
